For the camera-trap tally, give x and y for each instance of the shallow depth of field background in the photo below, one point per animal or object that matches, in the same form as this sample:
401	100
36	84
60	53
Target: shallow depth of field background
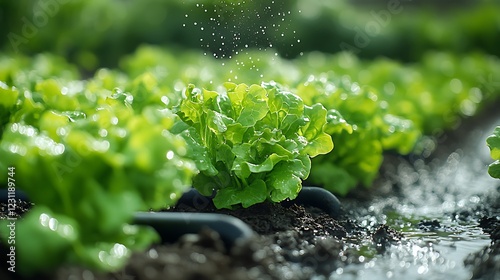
98	33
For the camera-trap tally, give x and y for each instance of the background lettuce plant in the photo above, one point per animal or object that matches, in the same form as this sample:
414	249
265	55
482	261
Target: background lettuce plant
89	158
368	129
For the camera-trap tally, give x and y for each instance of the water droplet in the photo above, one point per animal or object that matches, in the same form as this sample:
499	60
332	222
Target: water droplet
170	155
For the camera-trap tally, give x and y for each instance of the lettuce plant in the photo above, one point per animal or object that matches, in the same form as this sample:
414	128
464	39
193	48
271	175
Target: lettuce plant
251	143
361	128
89	160
493	142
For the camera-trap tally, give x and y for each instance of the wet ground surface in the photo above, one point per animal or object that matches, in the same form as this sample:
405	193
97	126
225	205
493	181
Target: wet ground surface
434	217
446	206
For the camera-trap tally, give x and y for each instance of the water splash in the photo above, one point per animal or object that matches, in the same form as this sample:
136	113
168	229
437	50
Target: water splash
233	30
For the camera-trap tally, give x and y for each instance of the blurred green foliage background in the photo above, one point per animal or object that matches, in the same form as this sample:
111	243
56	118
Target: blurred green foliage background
95	33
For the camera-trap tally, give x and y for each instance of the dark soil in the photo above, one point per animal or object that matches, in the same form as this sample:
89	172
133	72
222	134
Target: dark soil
491	225
485	264
21	208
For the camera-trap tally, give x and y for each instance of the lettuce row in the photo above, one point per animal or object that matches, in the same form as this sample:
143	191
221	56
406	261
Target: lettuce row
406	100
435	92
493	143
24	72
251	143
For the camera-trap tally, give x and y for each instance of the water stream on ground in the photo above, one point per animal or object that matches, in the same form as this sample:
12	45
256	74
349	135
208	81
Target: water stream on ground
436	204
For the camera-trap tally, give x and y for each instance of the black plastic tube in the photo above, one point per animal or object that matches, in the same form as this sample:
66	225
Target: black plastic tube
310	196
320	198
172	225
